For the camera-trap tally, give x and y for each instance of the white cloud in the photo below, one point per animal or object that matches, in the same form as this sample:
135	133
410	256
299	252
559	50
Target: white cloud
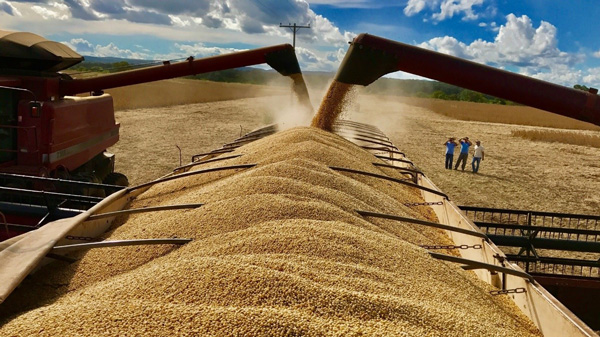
592	77
199	50
325	31
596	54
178	22
518	45
48	13
318	61
111	50
447	8
416	6
450	8
351	3
251	17
81	46
9	9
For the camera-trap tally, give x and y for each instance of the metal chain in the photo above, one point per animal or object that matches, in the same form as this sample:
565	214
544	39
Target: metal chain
508	291
83	238
424	203
476	246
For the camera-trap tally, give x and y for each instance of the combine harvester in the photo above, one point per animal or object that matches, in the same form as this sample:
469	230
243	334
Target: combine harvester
53	158
358	213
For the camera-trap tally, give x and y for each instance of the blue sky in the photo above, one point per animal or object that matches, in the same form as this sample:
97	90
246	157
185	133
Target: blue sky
551	40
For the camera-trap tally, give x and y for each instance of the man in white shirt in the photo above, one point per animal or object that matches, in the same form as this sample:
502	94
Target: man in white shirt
477	156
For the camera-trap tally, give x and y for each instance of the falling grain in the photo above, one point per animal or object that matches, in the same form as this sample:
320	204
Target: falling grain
332	105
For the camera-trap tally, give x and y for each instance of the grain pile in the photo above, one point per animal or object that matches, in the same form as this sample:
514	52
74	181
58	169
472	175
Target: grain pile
278	251
332	105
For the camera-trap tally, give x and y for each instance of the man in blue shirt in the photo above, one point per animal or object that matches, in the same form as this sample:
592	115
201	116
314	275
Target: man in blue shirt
450	145
464	152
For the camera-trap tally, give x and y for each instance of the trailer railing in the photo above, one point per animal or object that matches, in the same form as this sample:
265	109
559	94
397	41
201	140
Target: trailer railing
573	239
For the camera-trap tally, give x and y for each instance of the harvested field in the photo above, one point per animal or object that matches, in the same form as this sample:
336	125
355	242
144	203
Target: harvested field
591	139
179	91
516	173
495	113
278	250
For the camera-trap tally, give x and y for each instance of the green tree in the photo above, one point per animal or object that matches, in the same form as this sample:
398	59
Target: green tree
439	95
121	66
471	96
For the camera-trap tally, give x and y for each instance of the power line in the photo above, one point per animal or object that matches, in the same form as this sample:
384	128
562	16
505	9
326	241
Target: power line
294	29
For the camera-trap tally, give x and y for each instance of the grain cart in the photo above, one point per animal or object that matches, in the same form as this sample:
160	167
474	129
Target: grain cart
575	282
47	131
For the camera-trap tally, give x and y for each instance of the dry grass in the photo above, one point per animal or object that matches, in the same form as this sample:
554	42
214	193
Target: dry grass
566	137
183	91
493	113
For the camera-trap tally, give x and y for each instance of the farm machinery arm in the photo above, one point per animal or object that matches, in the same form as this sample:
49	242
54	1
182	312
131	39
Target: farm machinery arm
280	57
370	57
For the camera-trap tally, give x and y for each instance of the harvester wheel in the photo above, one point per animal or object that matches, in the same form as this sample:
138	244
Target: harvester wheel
116	178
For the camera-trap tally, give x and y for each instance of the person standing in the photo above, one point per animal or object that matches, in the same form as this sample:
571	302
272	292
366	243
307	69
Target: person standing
478	155
465	143
450	145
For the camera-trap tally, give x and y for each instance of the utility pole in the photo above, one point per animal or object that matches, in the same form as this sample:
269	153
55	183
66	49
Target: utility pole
294	29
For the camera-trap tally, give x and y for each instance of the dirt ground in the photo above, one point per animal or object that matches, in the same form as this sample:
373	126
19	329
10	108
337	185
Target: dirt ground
516	173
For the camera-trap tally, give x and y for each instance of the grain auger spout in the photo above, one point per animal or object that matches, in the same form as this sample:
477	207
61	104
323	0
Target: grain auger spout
370	57
280	57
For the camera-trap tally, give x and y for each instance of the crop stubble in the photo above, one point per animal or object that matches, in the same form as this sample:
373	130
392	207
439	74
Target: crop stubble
278	251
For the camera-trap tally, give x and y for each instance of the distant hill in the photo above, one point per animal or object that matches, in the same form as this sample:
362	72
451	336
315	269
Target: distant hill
110	60
315	80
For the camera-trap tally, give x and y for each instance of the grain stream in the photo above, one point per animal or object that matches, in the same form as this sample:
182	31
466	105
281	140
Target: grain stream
332	106
278	251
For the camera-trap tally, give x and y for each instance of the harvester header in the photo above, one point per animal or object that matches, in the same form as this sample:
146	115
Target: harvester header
371	57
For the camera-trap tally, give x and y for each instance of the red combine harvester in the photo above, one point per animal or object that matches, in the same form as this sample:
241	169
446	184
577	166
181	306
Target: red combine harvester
47	131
